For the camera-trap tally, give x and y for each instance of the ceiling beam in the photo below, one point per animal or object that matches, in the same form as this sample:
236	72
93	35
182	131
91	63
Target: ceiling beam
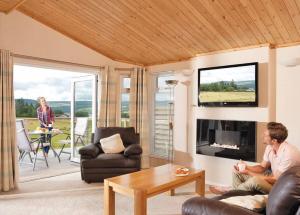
18	4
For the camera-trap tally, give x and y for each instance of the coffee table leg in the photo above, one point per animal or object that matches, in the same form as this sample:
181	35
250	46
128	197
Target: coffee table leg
140	202
200	185
109	199
171	192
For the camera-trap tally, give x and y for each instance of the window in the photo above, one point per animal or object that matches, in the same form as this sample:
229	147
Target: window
125	98
163	114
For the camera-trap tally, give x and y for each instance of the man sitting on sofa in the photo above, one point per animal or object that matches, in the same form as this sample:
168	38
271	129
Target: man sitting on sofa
278	155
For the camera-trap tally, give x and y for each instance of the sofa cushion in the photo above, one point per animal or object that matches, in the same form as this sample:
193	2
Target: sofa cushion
204	206
255	203
112	144
110	161
236	193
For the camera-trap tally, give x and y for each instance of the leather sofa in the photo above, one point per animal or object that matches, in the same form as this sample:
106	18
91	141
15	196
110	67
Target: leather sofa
284	199
96	165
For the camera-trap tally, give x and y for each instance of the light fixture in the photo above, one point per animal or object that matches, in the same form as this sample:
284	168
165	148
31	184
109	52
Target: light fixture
291	62
171	84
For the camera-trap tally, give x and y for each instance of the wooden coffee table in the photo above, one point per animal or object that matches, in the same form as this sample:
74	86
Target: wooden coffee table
147	183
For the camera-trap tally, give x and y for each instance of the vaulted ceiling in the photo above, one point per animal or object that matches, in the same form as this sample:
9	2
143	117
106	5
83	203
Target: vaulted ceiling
152	32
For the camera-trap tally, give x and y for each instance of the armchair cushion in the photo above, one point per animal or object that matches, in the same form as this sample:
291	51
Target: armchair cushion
134	149
112	144
90	151
109	161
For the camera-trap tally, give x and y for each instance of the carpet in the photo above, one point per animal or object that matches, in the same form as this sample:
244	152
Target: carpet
67	194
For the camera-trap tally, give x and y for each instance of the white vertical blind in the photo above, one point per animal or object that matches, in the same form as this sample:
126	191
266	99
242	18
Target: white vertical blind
163	112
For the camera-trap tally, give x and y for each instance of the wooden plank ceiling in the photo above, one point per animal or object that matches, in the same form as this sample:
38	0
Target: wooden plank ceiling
9	5
152	32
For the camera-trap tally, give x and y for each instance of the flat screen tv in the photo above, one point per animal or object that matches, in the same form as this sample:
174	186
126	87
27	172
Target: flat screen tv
228	86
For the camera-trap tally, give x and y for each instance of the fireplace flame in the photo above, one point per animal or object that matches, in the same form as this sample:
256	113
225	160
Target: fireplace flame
225	146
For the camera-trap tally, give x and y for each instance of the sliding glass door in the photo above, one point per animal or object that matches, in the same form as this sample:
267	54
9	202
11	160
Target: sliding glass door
83	113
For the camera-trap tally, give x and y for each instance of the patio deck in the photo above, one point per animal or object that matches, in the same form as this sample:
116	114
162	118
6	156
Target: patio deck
42	171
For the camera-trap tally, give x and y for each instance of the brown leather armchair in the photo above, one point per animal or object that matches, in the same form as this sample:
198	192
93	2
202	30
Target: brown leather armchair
96	165
284	199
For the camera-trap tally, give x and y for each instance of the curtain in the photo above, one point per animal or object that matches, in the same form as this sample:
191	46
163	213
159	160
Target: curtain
138	108
8	161
108	91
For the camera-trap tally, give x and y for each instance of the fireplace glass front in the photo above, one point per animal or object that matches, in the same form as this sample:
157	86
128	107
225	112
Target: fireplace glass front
228	139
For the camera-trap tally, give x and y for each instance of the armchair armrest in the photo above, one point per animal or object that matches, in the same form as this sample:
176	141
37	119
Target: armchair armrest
133	149
90	151
203	206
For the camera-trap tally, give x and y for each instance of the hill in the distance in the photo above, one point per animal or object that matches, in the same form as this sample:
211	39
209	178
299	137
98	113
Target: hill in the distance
64	106
29	101
248	84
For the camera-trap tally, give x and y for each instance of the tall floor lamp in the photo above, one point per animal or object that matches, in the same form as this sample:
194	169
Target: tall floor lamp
171	84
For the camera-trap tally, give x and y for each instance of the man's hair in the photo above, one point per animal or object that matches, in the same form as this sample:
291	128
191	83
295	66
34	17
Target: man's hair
277	131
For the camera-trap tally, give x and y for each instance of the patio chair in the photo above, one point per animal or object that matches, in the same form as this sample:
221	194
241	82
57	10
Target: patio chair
26	145
80	132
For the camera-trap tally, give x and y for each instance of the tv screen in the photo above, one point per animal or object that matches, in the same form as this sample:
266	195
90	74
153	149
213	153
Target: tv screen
232	85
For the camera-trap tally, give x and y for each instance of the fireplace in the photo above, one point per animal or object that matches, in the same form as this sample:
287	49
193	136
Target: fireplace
228	139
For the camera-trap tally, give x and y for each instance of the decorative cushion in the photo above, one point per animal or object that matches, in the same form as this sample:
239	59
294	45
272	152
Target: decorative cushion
112	144
133	149
255	203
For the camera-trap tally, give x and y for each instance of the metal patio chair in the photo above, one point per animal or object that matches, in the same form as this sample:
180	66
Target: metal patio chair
80	132
27	146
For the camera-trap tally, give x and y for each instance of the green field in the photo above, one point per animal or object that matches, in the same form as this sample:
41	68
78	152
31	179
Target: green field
62	124
227	96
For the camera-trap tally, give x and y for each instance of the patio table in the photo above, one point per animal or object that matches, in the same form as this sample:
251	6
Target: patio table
53	133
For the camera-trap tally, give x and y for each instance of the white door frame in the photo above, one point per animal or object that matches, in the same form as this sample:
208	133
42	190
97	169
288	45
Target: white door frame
92	78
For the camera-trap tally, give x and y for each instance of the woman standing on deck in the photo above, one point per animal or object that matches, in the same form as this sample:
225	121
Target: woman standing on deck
46	117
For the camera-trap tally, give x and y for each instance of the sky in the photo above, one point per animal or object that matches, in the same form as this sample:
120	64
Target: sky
244	73
54	85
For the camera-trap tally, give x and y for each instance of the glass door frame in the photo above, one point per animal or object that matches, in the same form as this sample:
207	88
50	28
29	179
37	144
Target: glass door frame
92	78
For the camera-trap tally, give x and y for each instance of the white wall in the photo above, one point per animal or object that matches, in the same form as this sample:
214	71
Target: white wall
288	88
218	170
24	36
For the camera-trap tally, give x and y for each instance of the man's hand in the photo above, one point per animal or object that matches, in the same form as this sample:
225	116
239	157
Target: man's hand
236	170
245	171
271	179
